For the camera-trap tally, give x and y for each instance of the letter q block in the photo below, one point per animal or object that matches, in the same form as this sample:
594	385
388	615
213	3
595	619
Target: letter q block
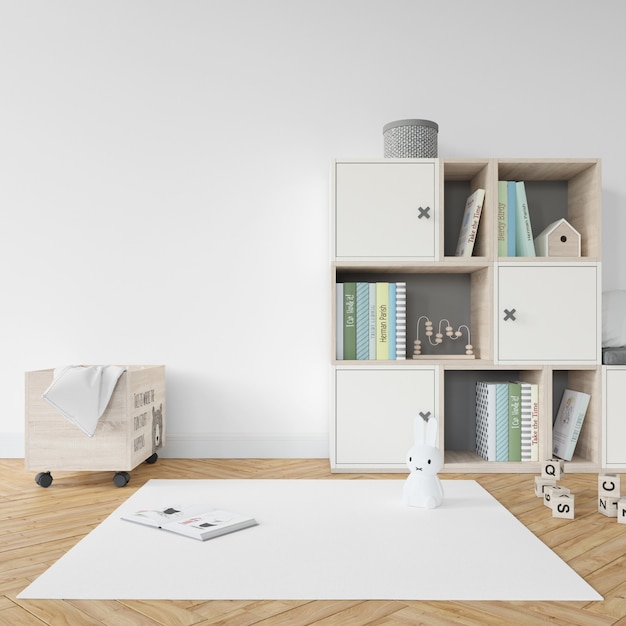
552	468
563	506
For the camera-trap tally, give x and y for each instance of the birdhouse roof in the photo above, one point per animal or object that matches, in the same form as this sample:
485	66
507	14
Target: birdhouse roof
548	230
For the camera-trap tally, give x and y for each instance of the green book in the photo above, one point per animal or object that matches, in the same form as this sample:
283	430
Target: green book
503	218
349	321
515	422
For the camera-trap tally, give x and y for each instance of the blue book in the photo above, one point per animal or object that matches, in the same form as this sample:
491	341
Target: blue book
511	218
502	421
372	321
392	321
362	321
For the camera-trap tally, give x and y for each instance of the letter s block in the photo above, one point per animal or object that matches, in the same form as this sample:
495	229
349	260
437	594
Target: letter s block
563	506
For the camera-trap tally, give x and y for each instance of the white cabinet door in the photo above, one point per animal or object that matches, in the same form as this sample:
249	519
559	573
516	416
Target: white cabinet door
547	313
374	413
614	435
386	210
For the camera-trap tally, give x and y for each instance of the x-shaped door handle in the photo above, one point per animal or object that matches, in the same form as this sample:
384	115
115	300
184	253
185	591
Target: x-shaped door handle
424	212
509	315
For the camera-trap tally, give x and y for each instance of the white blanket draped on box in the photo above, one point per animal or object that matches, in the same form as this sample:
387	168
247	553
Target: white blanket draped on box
82	393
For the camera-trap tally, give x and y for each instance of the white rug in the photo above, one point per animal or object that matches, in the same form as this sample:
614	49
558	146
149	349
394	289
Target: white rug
317	539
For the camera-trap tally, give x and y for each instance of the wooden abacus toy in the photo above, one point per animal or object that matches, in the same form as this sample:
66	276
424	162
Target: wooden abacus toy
450	333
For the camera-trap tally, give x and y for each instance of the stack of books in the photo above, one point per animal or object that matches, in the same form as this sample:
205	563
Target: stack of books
507	421
371	321
515	233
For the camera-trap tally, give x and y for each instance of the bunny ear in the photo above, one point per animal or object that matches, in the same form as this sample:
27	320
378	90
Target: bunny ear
432	432
420	424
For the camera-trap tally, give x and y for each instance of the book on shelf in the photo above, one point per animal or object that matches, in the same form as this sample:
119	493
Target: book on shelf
524	240
195	521
534	422
515	422
568	423
526	406
400	321
391	339
469	223
511	205
492	420
382	321
349	321
486	420
362	321
339	321
502	218
371	321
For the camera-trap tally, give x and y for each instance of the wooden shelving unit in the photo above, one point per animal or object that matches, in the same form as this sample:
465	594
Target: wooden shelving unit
557	344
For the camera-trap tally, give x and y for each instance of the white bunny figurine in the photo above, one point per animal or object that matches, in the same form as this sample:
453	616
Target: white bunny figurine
422	487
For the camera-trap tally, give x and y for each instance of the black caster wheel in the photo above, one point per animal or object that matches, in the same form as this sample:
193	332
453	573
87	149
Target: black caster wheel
121	479
44	479
152	459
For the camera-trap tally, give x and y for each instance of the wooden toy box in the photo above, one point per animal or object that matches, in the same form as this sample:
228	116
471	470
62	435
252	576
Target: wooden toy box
130	431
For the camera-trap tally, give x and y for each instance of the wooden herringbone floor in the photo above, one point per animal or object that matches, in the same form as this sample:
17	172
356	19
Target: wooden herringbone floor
39	525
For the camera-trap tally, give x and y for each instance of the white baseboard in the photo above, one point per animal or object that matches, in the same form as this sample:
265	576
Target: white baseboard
11	445
215	446
245	446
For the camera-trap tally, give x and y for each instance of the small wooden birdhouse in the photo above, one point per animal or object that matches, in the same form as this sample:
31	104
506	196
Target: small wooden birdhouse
558	239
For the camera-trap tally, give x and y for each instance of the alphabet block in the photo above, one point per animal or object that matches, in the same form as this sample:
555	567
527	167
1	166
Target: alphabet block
552	468
607	506
563	506
621	511
609	485
551	492
541	483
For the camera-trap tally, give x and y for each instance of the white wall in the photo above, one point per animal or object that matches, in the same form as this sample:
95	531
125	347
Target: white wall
164	178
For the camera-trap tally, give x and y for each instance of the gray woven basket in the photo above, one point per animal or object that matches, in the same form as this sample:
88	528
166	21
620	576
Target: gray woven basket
411	139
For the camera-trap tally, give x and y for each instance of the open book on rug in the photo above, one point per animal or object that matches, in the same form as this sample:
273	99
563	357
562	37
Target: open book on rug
199	522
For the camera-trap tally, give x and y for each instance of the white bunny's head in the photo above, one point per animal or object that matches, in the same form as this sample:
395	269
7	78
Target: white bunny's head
424	457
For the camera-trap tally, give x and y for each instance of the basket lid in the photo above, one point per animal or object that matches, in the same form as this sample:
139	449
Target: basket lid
397	123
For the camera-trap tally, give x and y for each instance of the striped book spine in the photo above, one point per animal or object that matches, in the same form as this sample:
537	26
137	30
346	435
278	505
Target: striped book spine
400	321
392	321
534	422
362	321
486	420
526	413
372	322
502	422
